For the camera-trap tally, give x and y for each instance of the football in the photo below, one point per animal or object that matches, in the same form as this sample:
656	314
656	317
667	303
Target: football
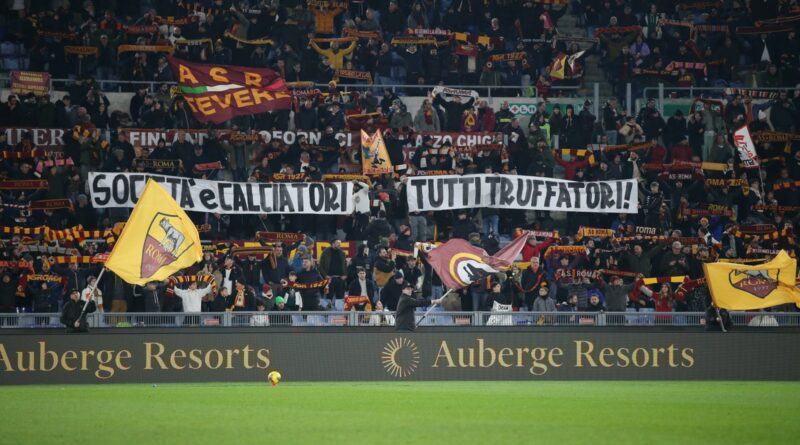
274	377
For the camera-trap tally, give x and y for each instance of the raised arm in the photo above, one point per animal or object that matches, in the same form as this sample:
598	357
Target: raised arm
317	48
350	48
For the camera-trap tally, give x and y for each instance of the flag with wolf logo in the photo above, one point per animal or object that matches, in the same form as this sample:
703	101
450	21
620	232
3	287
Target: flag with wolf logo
158	240
374	156
743	287
458	263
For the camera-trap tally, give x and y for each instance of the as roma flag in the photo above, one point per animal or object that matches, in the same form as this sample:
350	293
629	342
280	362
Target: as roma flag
459	263
374	156
158	240
216	93
740	287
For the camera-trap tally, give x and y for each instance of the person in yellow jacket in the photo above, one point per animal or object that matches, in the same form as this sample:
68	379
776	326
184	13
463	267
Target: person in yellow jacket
334	55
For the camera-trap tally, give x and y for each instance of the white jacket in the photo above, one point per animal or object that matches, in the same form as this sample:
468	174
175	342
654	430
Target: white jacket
98	297
260	319
381	318
192	299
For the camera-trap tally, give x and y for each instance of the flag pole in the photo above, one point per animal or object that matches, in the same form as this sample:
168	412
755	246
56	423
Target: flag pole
91	294
433	306
721	321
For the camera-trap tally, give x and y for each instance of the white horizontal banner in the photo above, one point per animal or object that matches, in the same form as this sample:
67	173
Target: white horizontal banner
198	195
521	192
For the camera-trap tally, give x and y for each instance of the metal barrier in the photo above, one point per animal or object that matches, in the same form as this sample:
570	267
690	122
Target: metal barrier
661	92
110	85
491	91
435	318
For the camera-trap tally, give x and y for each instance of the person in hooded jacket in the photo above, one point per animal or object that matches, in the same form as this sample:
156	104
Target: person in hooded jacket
73	316
405	320
531	280
8	288
153	294
391	292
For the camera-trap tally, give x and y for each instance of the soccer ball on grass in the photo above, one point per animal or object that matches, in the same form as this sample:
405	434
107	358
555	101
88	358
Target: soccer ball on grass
274	377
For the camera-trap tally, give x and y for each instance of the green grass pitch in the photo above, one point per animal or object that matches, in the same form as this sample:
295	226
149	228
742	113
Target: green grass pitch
438	413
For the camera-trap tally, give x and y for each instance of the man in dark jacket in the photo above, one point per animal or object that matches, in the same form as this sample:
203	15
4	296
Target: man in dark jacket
378	228
391	293
463	226
531	280
275	267
251	271
231	272
333	265
75	277
404	318
306	117
362	286
586	121
8	286
674	262
652	204
453	111
503	118
153	296
308	275
616	293
717	319
73	316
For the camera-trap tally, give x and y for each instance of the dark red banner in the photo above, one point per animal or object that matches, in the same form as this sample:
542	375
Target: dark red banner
24	82
217	93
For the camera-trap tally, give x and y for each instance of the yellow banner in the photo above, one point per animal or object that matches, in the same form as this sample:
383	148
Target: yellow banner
741	287
592	232
158	240
261	41
374	156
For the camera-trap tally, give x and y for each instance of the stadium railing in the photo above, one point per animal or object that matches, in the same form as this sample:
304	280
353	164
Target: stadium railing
435	318
110	85
662	92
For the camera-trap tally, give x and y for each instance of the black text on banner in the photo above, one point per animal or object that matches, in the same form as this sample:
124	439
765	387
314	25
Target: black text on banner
521	192
197	195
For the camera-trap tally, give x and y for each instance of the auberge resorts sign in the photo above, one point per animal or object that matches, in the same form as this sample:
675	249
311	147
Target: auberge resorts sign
204	355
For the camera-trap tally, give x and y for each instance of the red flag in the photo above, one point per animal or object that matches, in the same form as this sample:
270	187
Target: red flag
217	93
459	263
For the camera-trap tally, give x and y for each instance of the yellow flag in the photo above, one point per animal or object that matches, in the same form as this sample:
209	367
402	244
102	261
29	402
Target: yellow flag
556	68
374	156
741	287
158	240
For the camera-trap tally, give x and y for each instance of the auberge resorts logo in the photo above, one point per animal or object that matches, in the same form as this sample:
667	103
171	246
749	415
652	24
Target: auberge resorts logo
400	357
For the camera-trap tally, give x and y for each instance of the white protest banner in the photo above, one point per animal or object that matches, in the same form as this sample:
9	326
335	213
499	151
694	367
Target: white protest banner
500	320
198	195
449	192
454	92
747	150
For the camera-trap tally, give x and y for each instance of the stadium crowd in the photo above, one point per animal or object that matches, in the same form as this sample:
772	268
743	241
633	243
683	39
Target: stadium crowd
697	201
